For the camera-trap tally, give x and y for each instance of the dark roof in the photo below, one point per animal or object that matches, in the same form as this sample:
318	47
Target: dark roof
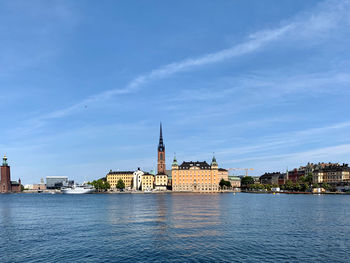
270	175
14	183
223	170
335	168
188	165
121	172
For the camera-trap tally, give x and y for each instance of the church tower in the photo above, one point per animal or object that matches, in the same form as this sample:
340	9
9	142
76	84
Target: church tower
161	153
5	177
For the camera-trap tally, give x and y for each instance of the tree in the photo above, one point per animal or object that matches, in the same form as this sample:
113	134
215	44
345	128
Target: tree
247	180
100	184
308	178
222	183
120	184
289	185
325	186
107	185
296	187
305	186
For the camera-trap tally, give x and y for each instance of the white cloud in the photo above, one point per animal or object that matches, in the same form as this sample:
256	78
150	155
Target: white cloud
308	25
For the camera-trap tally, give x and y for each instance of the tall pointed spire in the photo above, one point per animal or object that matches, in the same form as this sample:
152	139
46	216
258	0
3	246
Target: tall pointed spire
161	144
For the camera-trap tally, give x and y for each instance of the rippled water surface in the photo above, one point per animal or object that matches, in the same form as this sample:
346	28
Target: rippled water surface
174	228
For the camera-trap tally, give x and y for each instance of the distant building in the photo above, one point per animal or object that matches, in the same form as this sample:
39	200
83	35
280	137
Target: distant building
195	176
126	176
56	182
170	180
161	179
332	174
8	186
235	181
270	178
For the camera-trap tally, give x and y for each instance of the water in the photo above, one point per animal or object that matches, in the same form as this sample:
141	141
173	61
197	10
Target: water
174	228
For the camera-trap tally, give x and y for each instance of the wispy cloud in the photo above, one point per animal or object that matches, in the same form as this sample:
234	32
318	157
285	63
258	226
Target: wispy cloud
307	25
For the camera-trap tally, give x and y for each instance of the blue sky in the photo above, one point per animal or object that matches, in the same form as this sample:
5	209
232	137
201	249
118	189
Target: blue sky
84	84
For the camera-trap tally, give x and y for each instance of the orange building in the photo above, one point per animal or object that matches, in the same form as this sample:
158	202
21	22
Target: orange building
196	176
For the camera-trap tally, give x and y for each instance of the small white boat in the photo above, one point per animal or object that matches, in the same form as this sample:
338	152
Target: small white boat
78	189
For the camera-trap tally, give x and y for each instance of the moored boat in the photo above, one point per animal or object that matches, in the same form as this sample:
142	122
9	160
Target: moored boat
78	189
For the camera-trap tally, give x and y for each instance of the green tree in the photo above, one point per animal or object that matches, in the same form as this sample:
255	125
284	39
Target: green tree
107	185
325	186
289	185
305	187
247	180
296	187
316	185
308	178
222	183
120	184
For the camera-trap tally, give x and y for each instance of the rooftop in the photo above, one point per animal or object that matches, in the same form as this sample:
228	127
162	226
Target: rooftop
121	172
188	165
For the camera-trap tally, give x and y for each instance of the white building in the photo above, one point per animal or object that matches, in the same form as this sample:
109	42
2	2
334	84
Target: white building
137	181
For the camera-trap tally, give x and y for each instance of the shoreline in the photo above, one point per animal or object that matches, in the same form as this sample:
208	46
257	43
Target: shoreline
188	192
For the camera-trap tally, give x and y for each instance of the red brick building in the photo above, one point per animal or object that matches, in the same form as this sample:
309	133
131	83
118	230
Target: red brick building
6	185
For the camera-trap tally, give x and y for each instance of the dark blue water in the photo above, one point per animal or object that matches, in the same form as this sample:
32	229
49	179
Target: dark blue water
174	228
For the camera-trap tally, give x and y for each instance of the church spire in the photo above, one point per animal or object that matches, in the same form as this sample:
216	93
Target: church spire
161	144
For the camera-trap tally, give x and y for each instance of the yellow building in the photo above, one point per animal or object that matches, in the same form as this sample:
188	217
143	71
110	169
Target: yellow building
127	177
223	174
332	174
195	176
161	182
147	182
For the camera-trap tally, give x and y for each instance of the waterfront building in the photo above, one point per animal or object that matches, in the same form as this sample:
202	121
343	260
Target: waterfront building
6	185
147	182
137	180
56	182
235	181
126	176
223	174
161	179
170	180
195	176
270	178
332	174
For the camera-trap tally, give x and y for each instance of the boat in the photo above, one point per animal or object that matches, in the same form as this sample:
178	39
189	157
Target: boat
78	189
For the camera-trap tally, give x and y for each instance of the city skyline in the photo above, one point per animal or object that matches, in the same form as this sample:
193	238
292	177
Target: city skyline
263	85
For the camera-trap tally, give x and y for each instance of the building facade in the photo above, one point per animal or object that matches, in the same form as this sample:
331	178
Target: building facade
161	179
223	174
6	185
147	182
137	180
235	181
126	176
195	176
332	174
56	182
270	178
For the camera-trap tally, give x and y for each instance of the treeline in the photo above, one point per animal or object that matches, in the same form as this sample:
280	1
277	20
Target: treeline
100	184
304	184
